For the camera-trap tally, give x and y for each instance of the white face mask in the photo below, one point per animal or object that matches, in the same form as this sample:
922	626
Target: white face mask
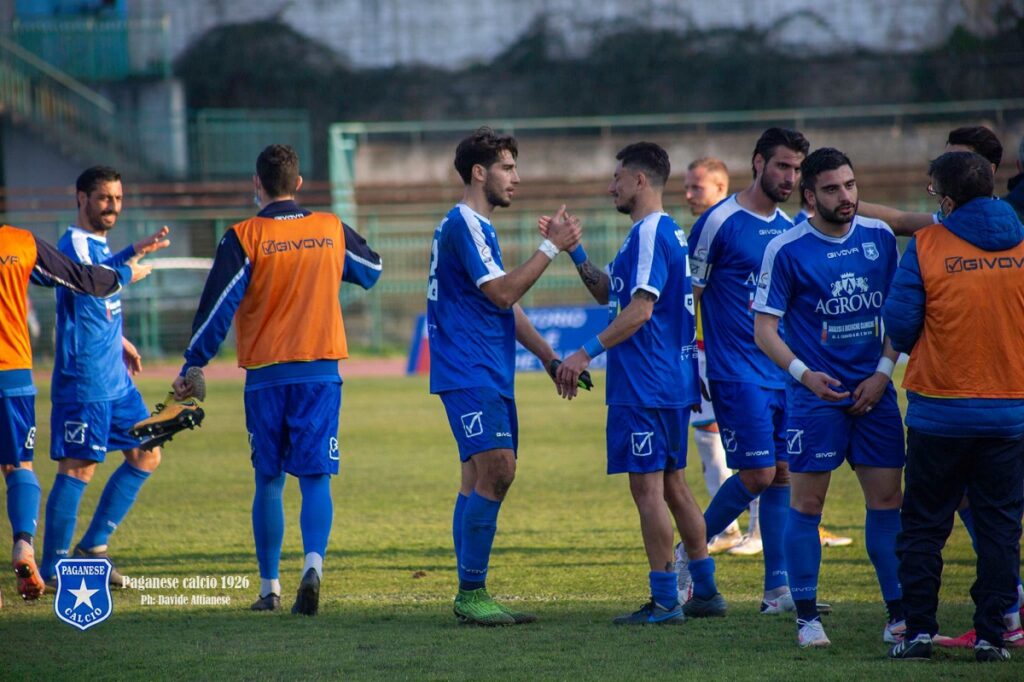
256	197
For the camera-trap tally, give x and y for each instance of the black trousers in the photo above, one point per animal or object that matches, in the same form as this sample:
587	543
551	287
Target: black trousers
939	471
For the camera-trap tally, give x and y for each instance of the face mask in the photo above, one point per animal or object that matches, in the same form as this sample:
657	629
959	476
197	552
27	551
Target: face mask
942	213
256	197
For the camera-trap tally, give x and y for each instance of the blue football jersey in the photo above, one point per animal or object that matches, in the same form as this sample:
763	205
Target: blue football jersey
831	291
656	366
88	364
727	246
472	341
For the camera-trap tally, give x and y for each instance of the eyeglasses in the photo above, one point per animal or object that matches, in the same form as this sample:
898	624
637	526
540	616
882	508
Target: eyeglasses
931	190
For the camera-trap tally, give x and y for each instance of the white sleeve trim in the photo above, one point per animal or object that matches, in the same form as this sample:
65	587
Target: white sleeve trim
770	311
646	287
489	277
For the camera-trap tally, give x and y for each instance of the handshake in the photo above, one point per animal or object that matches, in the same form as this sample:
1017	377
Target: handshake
584	381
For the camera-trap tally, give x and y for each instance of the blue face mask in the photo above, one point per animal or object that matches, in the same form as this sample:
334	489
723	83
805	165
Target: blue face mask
942	213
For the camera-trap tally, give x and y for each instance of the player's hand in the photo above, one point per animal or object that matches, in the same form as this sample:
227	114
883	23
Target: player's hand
542	225
130	355
153	242
824	386
567	375
868	393
181	388
140	271
585	382
564	230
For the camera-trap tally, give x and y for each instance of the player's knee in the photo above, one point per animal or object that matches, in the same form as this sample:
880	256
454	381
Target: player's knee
757	480
76	468
502	482
144	460
781	476
6	469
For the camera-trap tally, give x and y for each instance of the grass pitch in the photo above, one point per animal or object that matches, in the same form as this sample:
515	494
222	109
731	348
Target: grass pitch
568	548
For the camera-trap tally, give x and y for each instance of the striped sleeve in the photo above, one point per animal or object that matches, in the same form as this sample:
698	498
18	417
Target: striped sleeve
222	294
363	265
53	268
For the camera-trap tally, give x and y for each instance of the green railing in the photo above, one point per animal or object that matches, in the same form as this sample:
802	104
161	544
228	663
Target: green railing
97	49
224	143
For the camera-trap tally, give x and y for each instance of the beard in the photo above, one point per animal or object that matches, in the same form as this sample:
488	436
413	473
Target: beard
495	197
96	219
833	216
627	207
775	192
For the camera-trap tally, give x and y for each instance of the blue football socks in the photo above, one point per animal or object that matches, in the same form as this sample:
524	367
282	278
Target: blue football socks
803	554
23	495
774	516
118	496
881	526
268	523
967	517
664	588
703	574
317	513
61	514
460	507
479	523
729	502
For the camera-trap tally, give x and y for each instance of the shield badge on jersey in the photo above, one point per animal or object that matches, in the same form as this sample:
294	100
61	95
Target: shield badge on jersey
83	592
870	251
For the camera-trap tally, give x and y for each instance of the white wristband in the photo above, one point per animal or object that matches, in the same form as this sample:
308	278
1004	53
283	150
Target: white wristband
797	369
885	366
548	248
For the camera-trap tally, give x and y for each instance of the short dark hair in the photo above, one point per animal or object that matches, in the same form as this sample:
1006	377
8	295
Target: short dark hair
981	140
773	138
818	162
277	167
91	177
962	176
649	158
483	147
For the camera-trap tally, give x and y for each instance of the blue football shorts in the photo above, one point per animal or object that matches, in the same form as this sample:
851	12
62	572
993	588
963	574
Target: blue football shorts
17	429
820	435
294	428
752	421
643	440
88	430
481	419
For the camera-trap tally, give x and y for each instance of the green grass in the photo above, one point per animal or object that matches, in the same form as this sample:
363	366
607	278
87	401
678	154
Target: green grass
568	547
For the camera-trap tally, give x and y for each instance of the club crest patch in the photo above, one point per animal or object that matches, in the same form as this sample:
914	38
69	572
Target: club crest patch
83	592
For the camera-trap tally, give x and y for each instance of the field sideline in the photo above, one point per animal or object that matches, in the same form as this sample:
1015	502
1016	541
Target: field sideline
568	546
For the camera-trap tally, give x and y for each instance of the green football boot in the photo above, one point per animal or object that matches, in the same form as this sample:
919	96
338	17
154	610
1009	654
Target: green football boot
477	607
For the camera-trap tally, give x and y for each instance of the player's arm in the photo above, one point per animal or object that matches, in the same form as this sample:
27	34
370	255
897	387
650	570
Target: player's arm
766	335
594	278
870	391
903	312
363	265
53	268
903	223
563	235
531	339
625	324
154	242
225	286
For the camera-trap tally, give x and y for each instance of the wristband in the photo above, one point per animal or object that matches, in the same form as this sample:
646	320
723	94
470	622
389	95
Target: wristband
797	369
548	248
593	347
885	366
578	255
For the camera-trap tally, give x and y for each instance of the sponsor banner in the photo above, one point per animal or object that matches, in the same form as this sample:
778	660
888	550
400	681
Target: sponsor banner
565	328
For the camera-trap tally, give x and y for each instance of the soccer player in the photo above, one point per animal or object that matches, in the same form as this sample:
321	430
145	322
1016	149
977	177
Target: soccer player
94	400
828	278
473	321
748	391
652	381
24	258
706	184
277	275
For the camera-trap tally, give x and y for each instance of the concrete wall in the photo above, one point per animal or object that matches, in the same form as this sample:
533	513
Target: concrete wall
453	33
